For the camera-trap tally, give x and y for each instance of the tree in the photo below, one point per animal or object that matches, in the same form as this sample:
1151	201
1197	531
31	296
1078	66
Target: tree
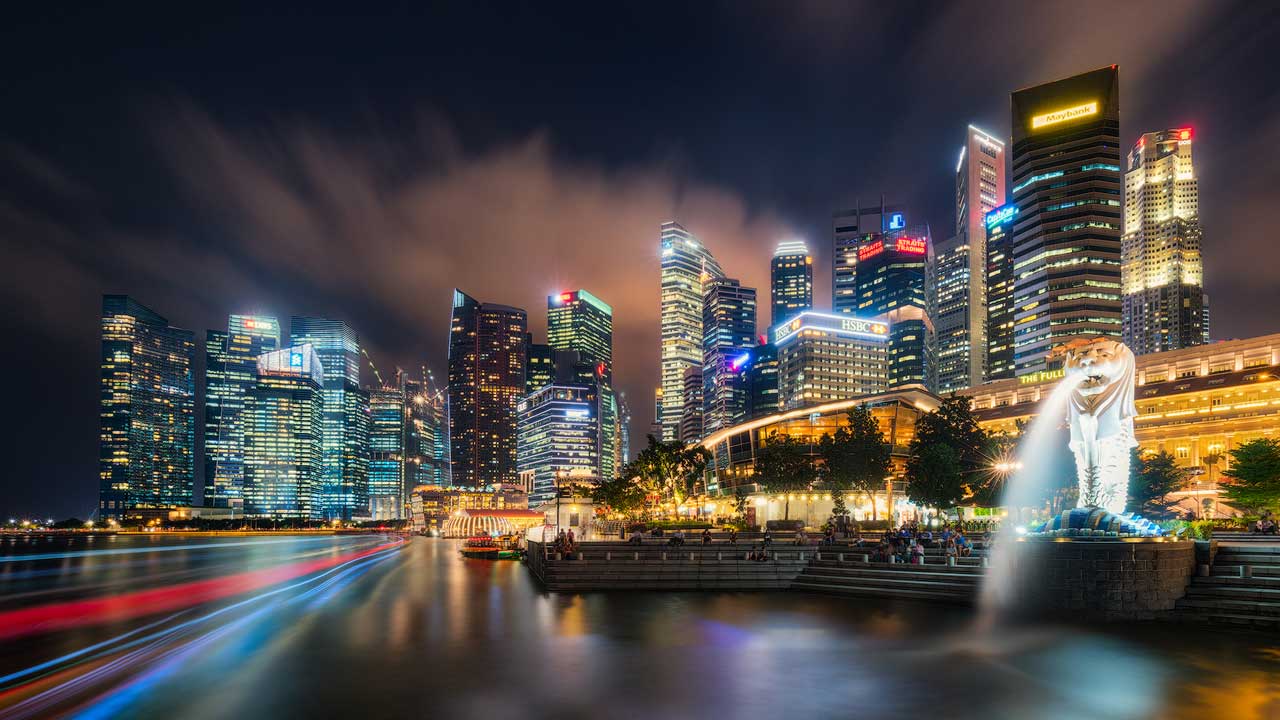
935	476
838	508
740	499
670	470
783	465
623	495
944	477
1253	480
856	456
1151	479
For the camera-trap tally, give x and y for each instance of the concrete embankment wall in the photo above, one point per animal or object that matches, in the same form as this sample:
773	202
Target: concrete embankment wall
620	566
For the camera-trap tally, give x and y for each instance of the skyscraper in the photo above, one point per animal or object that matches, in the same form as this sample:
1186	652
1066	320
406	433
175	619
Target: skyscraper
957	265
486	379
691	406
849	231
762	378
427	447
284	436
231	370
540	368
825	357
624	432
728	332
1066	238
389	432
791	280
559	431
1000	284
1164	304
685	265
581	322
147	411
890	275
344	492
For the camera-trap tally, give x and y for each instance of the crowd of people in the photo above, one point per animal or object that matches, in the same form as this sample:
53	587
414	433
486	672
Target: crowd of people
566	543
906	543
1266	525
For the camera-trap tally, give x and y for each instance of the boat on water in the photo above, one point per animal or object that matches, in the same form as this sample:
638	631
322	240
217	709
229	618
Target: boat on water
484	547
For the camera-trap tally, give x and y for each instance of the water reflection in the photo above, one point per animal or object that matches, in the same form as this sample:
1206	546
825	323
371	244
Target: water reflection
414	630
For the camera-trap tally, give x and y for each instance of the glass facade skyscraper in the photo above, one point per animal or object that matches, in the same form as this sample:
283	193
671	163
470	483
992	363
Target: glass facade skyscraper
891	285
284	436
686	264
582	322
825	357
849	231
487	357
728	333
389	433
231	370
1066	237
427	447
791	280
957	266
540	365
1164	304
345	487
558	437
762	373
1000	284
147	411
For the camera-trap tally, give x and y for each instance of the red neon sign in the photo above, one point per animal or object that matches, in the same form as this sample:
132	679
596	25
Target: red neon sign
566	297
912	245
1185	134
871	250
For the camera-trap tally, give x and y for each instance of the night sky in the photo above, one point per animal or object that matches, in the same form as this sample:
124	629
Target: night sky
359	166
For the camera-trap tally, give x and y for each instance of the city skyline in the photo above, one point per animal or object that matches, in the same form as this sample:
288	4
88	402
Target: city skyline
266	271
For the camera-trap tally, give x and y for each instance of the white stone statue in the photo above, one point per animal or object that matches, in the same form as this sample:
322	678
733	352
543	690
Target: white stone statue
1101	415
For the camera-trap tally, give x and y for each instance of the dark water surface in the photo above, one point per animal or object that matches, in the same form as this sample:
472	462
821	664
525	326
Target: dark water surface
361	626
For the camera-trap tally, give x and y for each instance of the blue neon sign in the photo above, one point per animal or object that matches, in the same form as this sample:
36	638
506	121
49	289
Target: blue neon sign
1001	215
897	221
295	359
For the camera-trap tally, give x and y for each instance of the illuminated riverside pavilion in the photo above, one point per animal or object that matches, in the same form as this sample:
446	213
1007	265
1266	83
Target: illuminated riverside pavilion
734	449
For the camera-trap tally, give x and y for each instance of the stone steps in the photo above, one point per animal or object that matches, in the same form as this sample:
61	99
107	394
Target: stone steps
1224	617
905	579
869	591
938	582
1213	604
1225	598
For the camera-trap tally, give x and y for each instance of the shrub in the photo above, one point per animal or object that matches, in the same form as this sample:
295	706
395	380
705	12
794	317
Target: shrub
1188	529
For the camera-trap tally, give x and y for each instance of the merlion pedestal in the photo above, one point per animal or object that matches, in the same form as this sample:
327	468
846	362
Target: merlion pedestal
1101	412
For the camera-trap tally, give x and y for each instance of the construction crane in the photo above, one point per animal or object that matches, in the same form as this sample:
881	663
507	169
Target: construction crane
372	367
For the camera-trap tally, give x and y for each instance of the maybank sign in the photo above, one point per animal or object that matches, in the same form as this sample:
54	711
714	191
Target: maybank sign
1063	115
837	324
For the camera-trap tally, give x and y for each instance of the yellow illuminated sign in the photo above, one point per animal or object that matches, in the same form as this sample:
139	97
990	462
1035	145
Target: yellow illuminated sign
1040	376
1065	114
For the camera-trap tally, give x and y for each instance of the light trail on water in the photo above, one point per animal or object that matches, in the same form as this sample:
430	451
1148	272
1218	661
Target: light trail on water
61	616
157	649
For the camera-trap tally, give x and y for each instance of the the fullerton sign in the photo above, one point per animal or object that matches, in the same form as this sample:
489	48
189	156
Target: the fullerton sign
1065	114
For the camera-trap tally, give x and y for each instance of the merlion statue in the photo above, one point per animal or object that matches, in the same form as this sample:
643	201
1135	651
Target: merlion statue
1101	414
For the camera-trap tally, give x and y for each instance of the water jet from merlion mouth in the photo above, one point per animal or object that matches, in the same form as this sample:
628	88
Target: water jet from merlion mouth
1026	487
1096	395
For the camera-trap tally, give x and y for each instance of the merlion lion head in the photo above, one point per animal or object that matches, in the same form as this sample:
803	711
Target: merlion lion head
1102	364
